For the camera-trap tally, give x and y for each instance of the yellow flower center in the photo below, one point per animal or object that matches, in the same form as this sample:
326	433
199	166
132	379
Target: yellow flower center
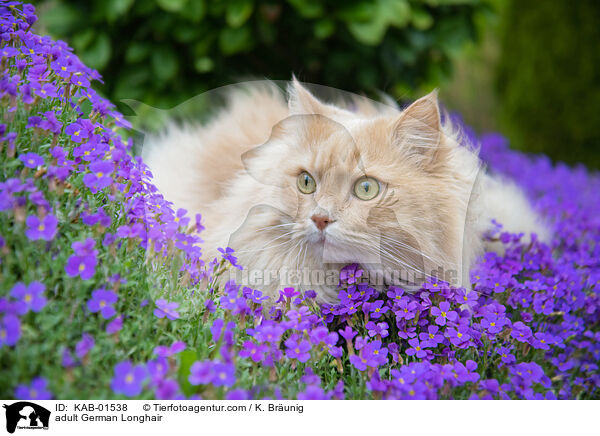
28	298
444	314
129	378
41	227
99	174
81	267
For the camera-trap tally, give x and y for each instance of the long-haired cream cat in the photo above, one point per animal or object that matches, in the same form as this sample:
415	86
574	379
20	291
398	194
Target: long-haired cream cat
300	188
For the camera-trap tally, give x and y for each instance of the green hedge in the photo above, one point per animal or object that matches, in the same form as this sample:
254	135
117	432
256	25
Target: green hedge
549	80
165	51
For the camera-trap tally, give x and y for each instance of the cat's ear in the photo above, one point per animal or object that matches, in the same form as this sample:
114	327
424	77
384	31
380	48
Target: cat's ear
302	102
418	129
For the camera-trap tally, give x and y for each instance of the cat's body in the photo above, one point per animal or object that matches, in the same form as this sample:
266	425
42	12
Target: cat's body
287	184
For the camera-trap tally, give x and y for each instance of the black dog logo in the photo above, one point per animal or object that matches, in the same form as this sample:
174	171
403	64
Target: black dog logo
32	416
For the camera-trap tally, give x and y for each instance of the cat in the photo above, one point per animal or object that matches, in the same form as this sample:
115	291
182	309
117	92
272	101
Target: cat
299	188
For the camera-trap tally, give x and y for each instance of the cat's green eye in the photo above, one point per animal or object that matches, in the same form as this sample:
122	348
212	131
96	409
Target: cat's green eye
366	188
306	183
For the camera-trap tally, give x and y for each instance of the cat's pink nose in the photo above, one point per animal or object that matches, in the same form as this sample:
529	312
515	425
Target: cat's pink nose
321	221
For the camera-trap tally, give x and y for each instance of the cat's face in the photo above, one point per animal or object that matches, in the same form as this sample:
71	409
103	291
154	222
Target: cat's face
369	190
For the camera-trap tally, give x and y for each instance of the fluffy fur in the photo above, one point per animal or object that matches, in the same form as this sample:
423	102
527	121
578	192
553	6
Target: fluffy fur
240	172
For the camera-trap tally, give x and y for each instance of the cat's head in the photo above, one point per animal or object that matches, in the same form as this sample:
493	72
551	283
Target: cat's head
366	186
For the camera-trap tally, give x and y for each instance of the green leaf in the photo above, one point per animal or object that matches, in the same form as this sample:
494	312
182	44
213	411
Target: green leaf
324	28
421	19
136	52
171	5
61	19
370	32
396	12
308	8
232	41
238	12
195	11
187	359
164	64
82	40
204	64
116	8
98	52
363	11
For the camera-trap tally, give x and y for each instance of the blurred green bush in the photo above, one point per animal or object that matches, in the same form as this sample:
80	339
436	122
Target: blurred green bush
163	52
549	78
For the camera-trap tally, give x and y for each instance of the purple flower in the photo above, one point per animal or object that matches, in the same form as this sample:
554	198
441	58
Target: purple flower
45	90
417	348
10	330
83	347
102	301
41	229
432	338
176	347
520	332
115	325
77	131
165	308
227	254
253	351
443	313
31	160
84	266
380	329
350	273
224	374
128	380
158	368
37	390
377	309
67	359
493	324
464	296
405	309
298	349
347	333
201	373
459	336
168	390
99	177
237	394
30	297
505	355
371	354
313	392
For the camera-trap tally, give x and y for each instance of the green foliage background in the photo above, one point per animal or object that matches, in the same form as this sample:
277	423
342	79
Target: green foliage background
163	52
549	78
